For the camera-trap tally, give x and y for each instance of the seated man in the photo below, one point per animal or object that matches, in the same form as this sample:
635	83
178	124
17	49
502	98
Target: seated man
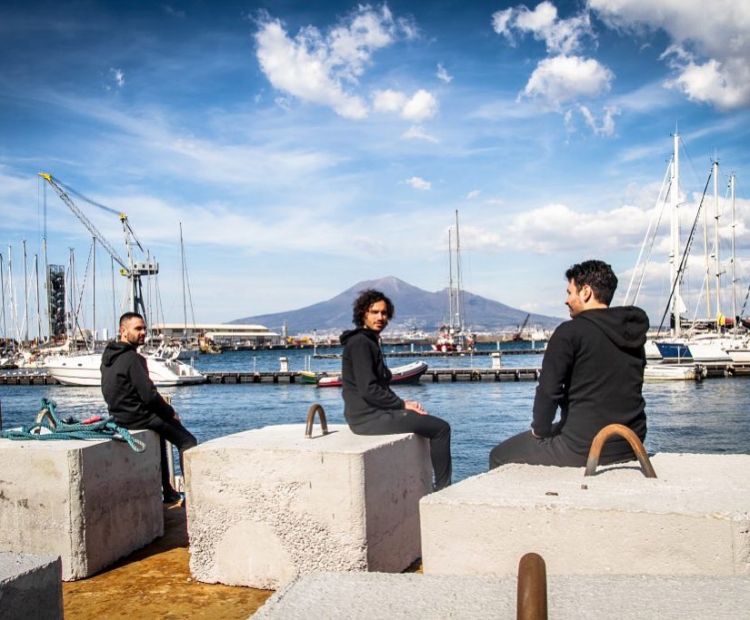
592	371
132	398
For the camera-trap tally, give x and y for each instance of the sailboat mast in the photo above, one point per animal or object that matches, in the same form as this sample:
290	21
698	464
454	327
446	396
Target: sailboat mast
732	182
450	283
93	291
2	295
459	317
25	295
674	256
184	298
717	262
707	262
12	300
38	302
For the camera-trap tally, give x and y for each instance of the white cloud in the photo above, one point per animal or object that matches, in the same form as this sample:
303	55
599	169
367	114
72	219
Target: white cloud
443	75
710	50
322	69
388	100
473	194
418	183
420	106
561	36
564	78
605	127
417	132
118	76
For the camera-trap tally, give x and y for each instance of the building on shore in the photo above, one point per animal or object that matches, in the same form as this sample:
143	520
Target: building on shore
225	335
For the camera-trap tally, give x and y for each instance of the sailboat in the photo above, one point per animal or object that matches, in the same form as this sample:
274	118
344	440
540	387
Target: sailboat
84	369
717	345
451	335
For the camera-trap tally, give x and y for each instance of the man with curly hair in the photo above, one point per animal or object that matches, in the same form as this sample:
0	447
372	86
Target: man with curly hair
370	406
592	371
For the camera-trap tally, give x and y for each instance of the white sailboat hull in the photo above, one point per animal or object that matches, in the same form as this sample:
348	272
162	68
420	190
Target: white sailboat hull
84	370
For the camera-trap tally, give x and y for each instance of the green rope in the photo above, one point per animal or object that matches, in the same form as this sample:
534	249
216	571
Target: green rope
47	419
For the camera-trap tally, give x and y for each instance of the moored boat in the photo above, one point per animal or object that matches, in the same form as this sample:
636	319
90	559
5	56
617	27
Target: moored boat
85	370
408	373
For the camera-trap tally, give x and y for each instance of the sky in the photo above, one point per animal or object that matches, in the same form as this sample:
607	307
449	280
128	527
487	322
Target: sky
307	146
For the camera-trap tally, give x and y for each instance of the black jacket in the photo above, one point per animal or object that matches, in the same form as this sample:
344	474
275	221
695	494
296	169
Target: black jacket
593	371
129	392
365	376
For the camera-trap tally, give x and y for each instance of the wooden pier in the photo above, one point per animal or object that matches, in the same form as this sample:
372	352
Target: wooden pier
433	375
481	353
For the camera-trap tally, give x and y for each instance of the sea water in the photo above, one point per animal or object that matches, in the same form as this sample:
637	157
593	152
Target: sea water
683	416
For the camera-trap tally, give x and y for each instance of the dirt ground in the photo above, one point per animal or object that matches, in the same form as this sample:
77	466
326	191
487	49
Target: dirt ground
155	582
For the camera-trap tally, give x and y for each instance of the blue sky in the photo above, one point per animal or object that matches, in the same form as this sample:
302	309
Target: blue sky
308	146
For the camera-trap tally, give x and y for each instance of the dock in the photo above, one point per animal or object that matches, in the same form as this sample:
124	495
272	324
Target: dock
433	375
480	353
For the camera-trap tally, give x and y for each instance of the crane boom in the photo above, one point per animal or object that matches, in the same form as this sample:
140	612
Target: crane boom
131	269
84	220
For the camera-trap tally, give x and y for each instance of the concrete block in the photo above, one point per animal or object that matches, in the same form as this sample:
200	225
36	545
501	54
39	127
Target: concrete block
30	587
693	519
90	502
267	505
376	596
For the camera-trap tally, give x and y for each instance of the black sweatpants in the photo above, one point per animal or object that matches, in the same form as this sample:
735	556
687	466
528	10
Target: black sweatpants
525	448
172	431
406	421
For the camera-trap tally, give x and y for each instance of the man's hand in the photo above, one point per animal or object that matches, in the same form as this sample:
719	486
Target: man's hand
415	406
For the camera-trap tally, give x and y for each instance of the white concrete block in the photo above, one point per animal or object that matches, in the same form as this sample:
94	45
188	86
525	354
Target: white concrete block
693	519
30	587
375	596
90	502
267	505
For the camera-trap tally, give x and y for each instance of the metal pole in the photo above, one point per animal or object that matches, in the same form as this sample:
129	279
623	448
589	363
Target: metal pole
717	261
25	295
732	182
531	596
93	291
38	303
184	300
675	226
114	306
2	294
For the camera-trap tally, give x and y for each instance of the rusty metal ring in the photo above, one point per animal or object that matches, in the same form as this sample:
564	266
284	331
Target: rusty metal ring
316	408
635	443
531	593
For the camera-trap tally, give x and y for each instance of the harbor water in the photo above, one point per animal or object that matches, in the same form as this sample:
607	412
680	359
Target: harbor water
683	416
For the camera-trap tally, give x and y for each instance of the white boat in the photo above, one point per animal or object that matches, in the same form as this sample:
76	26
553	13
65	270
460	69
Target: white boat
659	372
85	370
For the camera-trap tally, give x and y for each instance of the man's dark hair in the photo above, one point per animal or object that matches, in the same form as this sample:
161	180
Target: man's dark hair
598	275
130	315
364	300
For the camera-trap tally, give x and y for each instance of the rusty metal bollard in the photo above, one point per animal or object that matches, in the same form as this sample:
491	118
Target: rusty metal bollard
635	443
316	408
531	598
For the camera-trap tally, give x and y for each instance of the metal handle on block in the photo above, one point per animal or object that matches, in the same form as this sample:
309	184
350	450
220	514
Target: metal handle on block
316	408
635	443
531	598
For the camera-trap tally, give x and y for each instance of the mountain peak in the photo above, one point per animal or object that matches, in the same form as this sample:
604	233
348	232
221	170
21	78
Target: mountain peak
415	309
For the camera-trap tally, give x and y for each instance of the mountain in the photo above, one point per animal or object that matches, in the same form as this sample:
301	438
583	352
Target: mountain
415	309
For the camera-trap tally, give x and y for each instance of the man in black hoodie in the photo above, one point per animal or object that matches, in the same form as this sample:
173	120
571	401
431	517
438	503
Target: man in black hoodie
592	371
370	406
132	398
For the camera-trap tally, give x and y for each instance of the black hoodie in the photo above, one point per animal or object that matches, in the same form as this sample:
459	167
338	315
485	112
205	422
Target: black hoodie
130	394
593	371
365	376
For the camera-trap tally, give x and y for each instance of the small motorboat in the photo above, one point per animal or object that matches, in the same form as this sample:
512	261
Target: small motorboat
408	373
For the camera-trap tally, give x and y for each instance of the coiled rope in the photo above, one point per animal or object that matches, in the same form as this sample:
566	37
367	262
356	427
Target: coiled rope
48	426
